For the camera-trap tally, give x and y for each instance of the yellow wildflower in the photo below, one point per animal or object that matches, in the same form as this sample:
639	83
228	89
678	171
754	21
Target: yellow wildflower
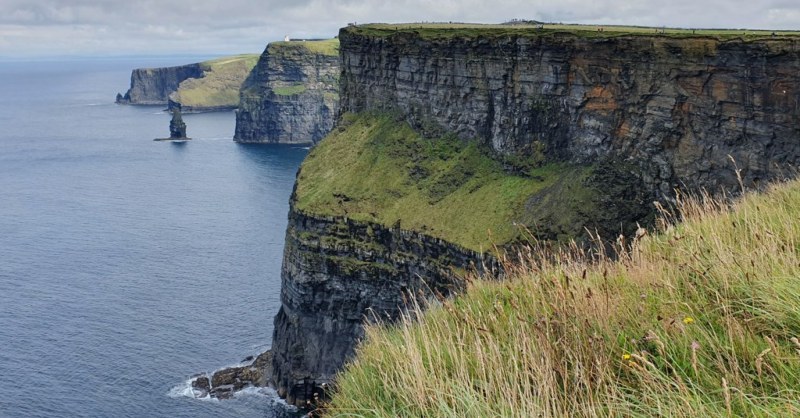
626	356
688	320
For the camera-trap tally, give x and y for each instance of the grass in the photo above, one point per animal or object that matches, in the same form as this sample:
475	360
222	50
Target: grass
700	319
289	90
470	30
219	86
328	47
376	168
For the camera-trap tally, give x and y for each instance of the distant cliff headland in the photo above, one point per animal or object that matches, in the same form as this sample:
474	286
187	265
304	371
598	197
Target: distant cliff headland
292	94
199	87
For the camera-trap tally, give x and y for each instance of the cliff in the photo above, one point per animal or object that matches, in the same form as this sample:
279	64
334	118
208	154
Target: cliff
337	273
479	137
674	106
205	86
291	96
152	86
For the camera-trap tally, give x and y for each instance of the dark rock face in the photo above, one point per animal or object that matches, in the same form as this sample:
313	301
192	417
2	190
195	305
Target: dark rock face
177	127
337	273
152	86
675	107
290	97
222	384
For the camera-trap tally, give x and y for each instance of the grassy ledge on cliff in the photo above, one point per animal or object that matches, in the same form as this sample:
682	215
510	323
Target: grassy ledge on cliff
328	47
700	319
219	85
375	167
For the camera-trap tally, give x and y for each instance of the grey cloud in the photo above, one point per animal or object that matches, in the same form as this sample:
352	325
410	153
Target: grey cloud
40	27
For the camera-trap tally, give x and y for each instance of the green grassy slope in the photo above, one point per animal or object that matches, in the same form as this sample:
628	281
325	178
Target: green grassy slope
219	87
374	167
701	319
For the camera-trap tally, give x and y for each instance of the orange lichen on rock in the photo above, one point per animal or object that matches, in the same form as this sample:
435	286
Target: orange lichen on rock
600	98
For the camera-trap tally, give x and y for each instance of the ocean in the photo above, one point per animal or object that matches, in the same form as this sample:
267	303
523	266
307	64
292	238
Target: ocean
128	265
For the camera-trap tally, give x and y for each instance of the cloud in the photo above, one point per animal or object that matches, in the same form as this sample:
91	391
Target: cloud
85	27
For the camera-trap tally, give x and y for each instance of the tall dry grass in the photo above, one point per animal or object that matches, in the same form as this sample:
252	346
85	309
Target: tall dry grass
699	319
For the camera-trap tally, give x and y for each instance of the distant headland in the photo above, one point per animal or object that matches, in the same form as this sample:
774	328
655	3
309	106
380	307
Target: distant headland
199	87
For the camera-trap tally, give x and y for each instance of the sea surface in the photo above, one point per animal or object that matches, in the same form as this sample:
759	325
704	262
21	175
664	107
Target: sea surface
128	265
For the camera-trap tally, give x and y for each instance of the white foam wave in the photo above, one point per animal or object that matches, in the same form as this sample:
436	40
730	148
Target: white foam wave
185	390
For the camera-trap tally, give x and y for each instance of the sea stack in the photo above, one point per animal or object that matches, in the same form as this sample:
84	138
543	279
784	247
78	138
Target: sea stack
177	127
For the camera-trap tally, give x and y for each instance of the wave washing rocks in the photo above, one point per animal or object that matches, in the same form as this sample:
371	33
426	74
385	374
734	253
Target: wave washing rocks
222	384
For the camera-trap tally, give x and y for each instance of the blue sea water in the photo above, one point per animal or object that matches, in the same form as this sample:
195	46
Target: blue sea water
128	265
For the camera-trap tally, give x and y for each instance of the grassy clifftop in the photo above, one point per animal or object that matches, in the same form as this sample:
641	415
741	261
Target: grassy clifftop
328	47
471	30
375	167
701	319
219	86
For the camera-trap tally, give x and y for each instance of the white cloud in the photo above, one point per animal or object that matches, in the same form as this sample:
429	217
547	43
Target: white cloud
42	27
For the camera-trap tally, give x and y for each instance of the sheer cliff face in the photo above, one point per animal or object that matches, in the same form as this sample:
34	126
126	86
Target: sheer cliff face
152	86
676	107
290	97
337	273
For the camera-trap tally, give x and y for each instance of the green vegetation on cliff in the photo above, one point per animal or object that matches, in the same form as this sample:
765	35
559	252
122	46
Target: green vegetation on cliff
701	319
289	90
376	168
323	47
473	30
219	86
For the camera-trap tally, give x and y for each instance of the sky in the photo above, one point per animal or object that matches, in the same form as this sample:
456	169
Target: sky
41	28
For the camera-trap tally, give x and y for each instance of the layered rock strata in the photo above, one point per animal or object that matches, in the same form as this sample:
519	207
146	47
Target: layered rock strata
292	94
678	107
337	274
